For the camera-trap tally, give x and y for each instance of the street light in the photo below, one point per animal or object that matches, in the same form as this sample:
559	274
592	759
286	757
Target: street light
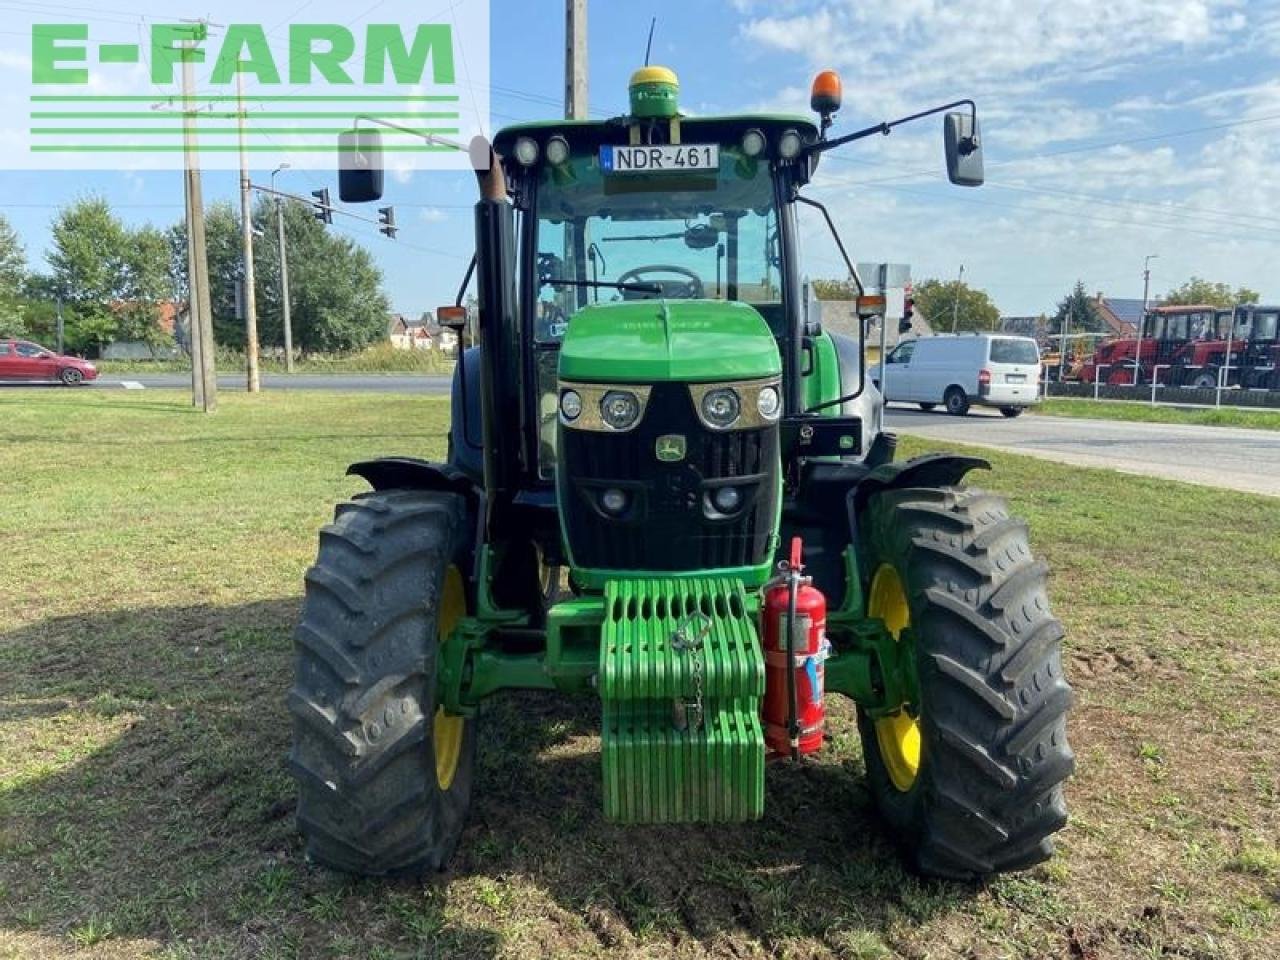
1146	290
286	319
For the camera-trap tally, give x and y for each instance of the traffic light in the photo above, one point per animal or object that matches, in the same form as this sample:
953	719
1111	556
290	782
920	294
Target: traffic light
387	217
324	209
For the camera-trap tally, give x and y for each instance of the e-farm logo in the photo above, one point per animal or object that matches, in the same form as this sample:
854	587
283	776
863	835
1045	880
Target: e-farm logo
109	93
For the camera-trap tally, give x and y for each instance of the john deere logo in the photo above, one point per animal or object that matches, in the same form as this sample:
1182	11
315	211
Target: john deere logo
671	448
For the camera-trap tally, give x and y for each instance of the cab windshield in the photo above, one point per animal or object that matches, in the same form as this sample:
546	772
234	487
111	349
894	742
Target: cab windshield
682	235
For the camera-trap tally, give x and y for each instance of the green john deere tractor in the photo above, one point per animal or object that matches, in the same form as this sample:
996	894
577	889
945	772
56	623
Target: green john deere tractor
652	438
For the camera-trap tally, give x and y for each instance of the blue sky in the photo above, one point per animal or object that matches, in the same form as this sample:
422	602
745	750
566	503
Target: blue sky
1113	129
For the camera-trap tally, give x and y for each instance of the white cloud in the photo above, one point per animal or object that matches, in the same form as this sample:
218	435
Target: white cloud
433	215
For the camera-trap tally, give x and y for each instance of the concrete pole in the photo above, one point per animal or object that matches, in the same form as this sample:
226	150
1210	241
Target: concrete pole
252	376
195	247
286	316
1146	292
575	60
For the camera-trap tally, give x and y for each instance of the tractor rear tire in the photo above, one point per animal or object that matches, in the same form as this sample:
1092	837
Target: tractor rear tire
384	777
1206	379
986	792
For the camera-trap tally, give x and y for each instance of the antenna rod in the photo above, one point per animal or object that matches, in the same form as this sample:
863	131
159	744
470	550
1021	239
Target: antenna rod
649	46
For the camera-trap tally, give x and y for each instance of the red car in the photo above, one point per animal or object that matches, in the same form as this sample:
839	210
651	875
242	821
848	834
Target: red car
23	360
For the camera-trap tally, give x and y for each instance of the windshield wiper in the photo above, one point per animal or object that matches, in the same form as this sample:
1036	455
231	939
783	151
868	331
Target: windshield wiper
612	285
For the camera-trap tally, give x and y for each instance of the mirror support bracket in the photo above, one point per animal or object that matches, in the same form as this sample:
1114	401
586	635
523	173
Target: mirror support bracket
886	127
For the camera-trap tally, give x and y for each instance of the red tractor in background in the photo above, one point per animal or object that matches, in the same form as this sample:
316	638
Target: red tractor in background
1200	361
1259	358
1166	334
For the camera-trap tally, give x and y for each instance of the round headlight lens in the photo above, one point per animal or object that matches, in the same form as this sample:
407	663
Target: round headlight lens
789	145
557	151
527	151
753	143
721	407
769	403
613	501
620	409
570	405
727	499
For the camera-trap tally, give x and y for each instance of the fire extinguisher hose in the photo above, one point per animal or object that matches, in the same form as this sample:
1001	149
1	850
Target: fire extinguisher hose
793	718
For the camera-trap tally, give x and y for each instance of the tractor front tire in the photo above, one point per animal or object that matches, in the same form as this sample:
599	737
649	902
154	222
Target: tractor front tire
970	778
384	776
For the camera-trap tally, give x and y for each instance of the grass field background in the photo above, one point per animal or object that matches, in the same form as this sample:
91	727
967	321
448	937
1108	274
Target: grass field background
1164	413
149	579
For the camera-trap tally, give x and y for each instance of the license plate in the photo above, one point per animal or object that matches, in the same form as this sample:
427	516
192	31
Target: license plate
679	158
1015	378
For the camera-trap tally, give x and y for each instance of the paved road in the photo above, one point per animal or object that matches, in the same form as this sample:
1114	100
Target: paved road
1229	457
351	382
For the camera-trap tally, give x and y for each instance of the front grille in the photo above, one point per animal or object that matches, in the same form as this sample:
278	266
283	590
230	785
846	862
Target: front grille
665	528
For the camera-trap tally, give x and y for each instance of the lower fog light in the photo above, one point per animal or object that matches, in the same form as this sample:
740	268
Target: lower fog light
613	501
727	499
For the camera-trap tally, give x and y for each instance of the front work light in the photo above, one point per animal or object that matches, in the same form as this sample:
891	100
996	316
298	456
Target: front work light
526	151
753	143
790	145
557	151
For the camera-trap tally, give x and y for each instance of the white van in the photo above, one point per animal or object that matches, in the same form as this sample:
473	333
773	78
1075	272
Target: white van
957	370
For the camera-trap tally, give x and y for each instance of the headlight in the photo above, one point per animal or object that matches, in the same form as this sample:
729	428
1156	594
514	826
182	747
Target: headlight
620	409
721	407
614	501
769	403
527	151
570	405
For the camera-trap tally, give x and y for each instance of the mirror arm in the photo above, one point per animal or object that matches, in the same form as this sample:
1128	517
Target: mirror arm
466	280
884	129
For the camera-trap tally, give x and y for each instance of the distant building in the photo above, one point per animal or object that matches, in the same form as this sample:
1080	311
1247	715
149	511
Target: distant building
1120	316
171	318
407	334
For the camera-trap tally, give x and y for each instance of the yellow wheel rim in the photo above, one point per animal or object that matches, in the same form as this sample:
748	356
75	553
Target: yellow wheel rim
898	735
446	730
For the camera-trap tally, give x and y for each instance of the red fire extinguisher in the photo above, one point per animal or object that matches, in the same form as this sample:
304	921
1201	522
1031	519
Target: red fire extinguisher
795	650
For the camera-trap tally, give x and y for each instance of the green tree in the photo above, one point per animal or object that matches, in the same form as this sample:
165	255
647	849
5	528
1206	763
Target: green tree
937	301
1200	291
146	283
1077	313
88	270
335	288
13	275
834	290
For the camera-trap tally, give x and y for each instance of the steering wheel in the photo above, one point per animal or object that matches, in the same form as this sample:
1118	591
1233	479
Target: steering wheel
689	289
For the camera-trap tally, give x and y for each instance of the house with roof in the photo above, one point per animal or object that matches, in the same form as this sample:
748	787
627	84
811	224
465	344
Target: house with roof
407	334
1120	316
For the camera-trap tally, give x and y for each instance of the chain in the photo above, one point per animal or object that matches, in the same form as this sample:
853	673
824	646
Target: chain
682	643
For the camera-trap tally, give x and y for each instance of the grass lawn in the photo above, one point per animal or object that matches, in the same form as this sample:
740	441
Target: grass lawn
1130	410
151	574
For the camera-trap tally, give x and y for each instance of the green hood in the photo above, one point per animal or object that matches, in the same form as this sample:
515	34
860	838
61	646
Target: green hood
644	341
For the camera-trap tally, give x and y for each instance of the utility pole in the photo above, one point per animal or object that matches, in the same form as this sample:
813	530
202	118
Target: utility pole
200	307
252	376
955	301
575	60
1062	338
60	351
1146	292
286	317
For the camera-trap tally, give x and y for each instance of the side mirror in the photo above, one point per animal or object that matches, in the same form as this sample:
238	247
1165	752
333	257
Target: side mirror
360	173
452	318
964	149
